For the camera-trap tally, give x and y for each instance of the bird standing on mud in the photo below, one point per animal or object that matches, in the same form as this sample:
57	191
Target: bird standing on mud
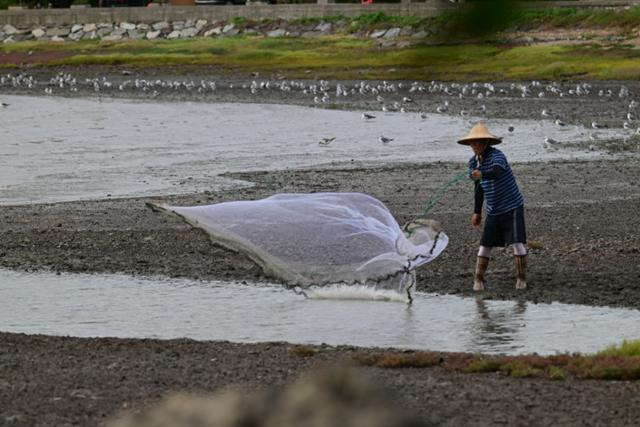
496	188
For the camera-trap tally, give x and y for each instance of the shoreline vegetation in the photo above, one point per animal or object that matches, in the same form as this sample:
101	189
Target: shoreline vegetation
603	45
616	362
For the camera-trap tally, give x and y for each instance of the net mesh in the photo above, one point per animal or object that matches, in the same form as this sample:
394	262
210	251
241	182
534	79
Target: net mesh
319	238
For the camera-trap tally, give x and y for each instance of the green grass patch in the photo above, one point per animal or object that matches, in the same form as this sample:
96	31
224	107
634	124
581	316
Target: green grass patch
626	349
345	57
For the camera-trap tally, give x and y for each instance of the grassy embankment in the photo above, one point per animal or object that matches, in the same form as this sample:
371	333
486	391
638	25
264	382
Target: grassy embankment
344	56
617	362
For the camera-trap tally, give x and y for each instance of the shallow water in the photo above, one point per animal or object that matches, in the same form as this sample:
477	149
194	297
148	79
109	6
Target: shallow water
124	306
61	149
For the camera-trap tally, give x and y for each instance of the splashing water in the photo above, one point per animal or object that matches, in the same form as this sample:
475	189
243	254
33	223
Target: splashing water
355	292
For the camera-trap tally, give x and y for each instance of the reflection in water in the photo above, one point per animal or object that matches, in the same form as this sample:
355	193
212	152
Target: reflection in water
498	326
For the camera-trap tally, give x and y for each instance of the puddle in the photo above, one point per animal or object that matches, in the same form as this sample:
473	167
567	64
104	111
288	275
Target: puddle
63	149
124	306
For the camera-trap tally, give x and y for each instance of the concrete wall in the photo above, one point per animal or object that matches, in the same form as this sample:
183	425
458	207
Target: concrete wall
51	17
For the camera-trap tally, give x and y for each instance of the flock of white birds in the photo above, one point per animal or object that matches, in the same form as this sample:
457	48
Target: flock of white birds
391	97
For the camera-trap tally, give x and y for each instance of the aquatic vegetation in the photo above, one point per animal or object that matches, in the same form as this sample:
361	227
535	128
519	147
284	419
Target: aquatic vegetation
535	244
627	348
302	351
619	362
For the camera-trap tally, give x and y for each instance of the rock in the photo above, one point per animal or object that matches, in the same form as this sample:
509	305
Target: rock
9	29
406	31
38	32
151	35
77	35
60	32
276	33
127	26
419	35
228	28
88	28
143	27
189	32
323	27
102	32
8	40
76	27
178	25
112	37
118	32
232	32
105	25
211	32
160	25
393	32
57	39
216	30
377	34
135	34
309	34
250	31
201	23
174	34
90	36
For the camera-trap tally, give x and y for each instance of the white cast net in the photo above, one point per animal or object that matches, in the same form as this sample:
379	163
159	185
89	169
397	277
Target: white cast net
319	238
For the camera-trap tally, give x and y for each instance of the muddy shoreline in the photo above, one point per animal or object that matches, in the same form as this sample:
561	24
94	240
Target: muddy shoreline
587	254
582	216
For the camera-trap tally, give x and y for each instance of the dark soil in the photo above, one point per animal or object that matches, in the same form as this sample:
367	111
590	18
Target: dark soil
581	219
56	381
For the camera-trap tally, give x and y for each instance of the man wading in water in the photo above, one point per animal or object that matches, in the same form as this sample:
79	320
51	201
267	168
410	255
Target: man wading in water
495	184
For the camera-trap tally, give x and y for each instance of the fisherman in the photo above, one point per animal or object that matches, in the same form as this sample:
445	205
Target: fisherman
495	184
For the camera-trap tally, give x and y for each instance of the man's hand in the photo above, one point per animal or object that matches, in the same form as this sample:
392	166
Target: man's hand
476	174
476	220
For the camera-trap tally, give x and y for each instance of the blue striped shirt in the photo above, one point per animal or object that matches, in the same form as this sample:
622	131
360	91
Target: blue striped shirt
501	195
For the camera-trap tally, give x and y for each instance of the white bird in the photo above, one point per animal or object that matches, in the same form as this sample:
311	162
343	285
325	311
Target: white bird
367	116
463	113
560	122
597	125
4	104
549	142
407	99
545	113
441	109
384	139
626	125
326	141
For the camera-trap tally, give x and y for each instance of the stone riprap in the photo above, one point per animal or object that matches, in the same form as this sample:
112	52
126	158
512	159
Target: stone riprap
110	31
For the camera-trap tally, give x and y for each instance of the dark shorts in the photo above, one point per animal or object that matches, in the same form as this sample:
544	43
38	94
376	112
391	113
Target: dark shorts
504	229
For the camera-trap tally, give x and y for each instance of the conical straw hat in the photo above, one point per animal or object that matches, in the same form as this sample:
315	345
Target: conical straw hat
480	132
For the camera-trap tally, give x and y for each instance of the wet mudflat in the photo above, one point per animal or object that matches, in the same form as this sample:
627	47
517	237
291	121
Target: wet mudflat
582	214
